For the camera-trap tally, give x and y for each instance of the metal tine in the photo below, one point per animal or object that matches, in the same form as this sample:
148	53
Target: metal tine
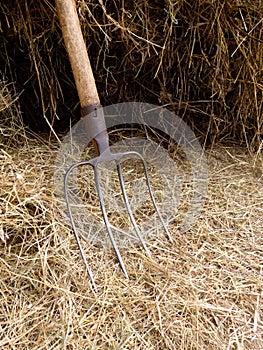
152	195
154	202
106	220
74	166
128	207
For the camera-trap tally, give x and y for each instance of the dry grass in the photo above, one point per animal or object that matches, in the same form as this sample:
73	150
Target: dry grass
205	290
202	292
201	59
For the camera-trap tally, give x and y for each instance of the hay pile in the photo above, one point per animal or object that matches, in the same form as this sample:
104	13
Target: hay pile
201	59
202	292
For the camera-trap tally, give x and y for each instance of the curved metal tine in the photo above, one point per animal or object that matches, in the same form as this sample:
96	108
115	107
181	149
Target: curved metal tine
128	207
66	191
152	196
106	220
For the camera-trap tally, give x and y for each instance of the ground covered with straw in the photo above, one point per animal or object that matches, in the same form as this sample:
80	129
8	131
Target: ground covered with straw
202	292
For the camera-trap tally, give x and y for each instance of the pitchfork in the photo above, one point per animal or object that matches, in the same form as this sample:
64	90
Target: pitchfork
95	123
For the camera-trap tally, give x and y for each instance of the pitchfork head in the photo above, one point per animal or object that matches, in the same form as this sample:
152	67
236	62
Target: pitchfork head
96	127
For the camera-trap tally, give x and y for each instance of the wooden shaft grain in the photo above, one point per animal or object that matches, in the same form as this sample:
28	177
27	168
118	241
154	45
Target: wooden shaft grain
77	52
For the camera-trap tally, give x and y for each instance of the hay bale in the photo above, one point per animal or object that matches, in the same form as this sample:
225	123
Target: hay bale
202	59
12	132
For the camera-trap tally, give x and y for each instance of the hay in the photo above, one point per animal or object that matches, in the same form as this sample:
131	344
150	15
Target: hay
202	292
12	131
202	59
205	290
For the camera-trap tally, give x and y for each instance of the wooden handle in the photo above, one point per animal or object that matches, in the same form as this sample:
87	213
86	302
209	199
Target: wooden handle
77	51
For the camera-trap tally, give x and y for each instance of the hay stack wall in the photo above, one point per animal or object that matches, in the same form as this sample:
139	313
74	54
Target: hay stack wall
202	59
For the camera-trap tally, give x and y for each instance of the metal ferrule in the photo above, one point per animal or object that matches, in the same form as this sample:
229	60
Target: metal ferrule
94	121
